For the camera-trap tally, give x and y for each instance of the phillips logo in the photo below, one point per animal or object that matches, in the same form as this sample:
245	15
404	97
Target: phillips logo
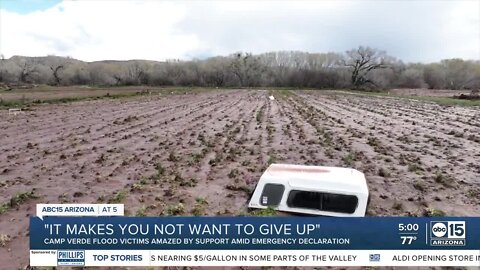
71	257
447	233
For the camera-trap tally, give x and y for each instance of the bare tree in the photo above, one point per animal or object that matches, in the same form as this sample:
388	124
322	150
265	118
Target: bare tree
56	73
247	68
278	64
362	61
57	66
28	68
101	73
412	77
359	68
434	75
136	73
174	72
238	66
118	79
216	69
459	74
78	75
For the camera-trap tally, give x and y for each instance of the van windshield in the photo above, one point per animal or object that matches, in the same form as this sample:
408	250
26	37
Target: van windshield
322	201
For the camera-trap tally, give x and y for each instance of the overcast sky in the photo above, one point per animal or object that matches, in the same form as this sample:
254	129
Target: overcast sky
414	31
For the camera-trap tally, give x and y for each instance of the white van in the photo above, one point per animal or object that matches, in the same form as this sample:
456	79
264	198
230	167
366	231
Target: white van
314	190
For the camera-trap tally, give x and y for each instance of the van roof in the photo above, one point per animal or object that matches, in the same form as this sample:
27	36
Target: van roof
308	177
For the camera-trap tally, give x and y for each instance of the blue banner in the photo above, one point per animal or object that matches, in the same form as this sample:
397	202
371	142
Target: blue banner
254	233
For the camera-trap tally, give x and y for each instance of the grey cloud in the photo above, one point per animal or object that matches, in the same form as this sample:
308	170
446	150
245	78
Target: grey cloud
410	30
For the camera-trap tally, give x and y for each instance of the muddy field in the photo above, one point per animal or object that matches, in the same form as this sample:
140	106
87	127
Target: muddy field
40	93
202	153
428	92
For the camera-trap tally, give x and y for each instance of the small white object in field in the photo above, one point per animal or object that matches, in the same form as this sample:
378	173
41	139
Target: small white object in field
271	97
14	111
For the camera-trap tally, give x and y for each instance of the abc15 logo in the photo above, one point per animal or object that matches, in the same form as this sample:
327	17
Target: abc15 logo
448	229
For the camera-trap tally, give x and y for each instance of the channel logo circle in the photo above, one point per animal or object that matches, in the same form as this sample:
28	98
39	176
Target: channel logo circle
439	229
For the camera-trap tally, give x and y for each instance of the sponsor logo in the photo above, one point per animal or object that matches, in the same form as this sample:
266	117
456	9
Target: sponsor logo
374	257
447	233
71	258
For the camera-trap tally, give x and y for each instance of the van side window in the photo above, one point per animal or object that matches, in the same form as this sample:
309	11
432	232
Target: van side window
322	201
272	194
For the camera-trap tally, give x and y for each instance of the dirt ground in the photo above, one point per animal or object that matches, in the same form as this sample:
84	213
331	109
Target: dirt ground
428	92
201	153
39	93
42	93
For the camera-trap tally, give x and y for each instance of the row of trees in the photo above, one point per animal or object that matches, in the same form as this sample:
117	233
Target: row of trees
359	68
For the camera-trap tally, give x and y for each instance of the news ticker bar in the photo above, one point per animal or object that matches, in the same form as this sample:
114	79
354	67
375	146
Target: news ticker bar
255	258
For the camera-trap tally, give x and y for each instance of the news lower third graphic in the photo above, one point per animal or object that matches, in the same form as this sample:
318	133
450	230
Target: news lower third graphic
107	238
